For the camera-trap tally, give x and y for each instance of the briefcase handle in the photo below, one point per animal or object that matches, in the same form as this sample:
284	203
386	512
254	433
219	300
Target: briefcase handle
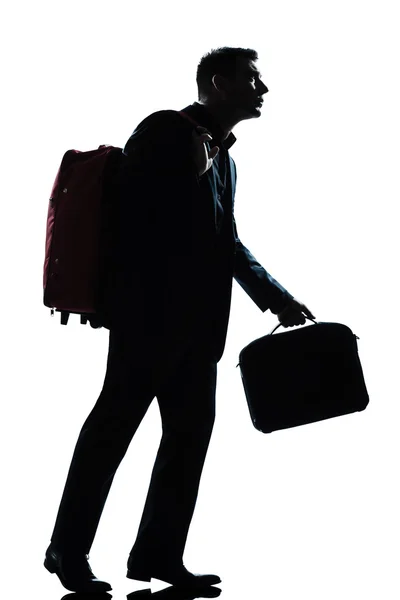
279	325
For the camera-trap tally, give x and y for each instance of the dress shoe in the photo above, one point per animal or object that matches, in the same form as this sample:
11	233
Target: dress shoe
179	577
74	571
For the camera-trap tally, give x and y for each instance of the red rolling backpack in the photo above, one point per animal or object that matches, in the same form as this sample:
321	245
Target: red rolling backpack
76	236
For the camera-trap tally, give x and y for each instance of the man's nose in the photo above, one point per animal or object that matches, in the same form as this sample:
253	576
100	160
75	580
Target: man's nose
264	89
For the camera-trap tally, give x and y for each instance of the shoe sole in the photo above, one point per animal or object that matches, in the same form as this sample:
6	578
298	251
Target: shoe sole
143	576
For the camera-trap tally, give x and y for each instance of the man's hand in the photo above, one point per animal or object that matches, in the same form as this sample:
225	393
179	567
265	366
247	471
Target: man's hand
202	157
293	314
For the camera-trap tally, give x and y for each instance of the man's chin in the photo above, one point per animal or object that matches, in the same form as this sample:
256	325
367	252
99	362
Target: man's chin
252	112
256	111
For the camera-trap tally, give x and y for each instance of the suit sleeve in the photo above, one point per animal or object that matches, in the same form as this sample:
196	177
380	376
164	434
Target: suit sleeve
263	289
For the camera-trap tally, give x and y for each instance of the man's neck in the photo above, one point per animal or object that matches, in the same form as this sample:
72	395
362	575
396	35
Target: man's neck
219	115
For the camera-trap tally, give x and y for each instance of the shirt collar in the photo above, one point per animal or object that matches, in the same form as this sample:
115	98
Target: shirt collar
200	113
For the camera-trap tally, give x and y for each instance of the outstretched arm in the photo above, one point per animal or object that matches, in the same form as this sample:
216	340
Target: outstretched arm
262	288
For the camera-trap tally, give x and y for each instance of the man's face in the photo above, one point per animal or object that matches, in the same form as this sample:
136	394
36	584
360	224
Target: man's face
242	95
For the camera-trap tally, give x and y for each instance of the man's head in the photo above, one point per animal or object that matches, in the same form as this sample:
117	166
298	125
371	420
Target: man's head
228	80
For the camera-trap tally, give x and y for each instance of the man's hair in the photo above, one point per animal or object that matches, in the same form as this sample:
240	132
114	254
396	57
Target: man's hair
222	61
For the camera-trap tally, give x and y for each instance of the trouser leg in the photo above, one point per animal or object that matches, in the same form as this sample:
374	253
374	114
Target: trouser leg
187	406
102	443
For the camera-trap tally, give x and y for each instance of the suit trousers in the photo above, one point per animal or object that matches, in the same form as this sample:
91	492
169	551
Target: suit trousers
185	393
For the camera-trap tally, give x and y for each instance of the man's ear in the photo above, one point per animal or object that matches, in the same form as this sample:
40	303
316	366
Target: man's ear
220	83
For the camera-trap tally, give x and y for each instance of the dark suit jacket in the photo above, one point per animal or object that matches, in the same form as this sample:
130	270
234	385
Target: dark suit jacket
177	246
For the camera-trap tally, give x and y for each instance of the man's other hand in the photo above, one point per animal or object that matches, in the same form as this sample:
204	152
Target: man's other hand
202	157
294	313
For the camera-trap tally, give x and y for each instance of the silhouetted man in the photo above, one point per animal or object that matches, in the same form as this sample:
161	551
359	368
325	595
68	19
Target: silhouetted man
176	252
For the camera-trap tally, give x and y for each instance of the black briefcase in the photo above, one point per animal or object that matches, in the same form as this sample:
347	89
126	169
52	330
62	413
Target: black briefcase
302	376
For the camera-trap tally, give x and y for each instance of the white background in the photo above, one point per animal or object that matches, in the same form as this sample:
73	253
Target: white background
310	512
